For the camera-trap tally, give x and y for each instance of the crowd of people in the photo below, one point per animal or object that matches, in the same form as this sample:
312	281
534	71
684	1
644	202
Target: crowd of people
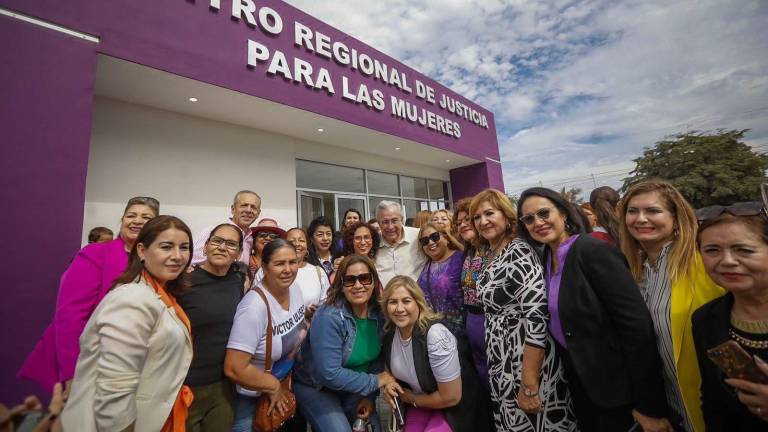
631	312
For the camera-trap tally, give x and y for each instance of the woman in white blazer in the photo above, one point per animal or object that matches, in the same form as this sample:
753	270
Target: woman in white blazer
136	347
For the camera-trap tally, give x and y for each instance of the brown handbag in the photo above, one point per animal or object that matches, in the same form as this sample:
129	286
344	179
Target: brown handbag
263	422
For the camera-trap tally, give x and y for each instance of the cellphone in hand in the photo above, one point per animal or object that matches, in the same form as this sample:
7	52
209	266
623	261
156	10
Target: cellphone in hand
398	412
731	358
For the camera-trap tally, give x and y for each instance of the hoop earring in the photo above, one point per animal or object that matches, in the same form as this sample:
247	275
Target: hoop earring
568	225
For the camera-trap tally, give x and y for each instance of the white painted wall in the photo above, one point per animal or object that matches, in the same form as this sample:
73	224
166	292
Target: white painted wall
194	166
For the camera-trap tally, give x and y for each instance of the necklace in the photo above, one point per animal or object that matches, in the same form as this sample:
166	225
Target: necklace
749	343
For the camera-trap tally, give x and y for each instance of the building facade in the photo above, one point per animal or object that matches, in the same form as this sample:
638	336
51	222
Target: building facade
189	101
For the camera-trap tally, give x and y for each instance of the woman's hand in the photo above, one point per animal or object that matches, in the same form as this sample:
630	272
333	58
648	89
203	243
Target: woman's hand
753	395
364	408
391	391
385	378
337	263
652	424
309	312
528	399
277	400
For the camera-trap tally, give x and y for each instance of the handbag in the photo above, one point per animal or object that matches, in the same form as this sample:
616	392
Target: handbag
263	422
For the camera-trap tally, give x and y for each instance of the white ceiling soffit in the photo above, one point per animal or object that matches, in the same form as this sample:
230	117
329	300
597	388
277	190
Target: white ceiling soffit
134	83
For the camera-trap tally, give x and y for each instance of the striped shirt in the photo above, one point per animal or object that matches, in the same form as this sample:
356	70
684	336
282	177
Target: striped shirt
657	292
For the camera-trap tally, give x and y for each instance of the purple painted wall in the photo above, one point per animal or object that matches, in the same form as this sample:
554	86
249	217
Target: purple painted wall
188	38
46	83
469	180
46	90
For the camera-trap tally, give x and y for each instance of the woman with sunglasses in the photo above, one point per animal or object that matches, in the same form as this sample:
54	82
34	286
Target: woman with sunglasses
733	242
340	367
657	230
210	303
598	322
525	376
475	257
441	273
263	233
86	281
310	278
137	345
322	249
433	368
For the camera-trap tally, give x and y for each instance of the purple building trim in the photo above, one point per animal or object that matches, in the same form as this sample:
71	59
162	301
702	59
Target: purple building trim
46	83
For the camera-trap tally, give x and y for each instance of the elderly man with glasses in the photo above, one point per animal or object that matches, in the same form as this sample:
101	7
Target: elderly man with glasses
245	209
399	253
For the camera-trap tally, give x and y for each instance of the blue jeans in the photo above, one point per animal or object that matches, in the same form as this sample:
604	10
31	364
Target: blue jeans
327	410
244	407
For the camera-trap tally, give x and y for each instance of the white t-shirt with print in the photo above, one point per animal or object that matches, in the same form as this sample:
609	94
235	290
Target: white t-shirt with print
443	357
249	328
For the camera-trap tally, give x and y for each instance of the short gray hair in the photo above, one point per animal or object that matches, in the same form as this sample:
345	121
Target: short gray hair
385	205
243	192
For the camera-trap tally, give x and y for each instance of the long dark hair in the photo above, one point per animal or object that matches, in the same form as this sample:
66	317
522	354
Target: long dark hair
335	292
604	201
349	238
316	223
147	236
574	220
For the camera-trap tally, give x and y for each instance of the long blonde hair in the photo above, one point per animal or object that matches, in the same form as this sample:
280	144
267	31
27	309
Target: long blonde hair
426	314
682	255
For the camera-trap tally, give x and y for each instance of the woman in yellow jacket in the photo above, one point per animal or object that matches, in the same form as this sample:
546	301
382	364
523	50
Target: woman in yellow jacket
658	237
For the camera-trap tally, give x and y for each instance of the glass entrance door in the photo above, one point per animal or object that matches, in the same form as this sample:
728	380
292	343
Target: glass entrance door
346	202
310	207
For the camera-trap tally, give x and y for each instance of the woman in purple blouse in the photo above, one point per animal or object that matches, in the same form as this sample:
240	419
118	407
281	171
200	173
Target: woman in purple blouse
87	280
440	278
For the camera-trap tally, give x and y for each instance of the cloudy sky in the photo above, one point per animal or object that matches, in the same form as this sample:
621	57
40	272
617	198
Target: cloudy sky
578	88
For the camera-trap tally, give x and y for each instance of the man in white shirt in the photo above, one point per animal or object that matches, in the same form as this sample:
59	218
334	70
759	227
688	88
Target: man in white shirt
399	252
245	209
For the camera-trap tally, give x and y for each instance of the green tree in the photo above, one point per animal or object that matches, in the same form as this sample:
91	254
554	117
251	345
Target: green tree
572	195
708	168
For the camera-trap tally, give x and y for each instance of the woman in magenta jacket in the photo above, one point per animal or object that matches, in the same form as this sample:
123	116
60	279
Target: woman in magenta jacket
89	277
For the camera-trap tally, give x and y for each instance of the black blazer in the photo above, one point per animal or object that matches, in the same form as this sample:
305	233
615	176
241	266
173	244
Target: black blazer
722	409
608	330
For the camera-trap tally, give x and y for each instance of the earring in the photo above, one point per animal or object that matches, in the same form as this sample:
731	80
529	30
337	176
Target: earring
675	232
568	225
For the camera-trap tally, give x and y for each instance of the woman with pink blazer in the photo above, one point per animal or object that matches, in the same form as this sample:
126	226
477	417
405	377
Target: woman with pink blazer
89	277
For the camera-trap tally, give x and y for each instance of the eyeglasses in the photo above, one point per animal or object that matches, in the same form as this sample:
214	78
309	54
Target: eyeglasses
360	239
351	280
388	222
435	237
738	209
542	214
229	244
267	235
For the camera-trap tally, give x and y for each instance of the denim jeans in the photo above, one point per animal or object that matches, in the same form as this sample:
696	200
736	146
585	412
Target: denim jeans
329	411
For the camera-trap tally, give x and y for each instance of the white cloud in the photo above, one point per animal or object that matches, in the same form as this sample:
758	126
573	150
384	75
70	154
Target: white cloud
589	82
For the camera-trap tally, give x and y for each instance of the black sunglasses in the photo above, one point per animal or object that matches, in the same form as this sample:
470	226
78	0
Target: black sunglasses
753	208
435	237
542	214
350	280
